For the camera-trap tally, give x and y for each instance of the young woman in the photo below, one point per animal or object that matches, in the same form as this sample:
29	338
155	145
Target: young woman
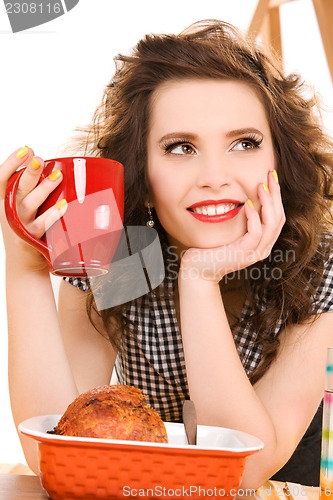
224	155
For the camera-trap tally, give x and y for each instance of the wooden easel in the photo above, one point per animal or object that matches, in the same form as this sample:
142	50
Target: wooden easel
266	22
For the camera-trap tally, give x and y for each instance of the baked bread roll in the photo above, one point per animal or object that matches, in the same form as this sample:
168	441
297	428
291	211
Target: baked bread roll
112	412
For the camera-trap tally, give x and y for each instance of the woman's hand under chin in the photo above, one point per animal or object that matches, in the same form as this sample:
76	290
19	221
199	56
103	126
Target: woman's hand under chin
256	244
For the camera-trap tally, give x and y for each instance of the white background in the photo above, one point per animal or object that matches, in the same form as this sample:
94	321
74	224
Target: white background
52	78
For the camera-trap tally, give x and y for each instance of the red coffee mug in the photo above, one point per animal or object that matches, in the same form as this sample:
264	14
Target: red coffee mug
83	241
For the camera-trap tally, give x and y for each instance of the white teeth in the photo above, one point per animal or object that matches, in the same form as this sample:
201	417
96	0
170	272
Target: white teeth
222	209
215	209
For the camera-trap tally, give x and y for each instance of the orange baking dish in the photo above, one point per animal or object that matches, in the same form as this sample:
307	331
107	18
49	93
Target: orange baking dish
87	468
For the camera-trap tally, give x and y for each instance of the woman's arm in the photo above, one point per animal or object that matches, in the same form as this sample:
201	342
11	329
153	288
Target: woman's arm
89	351
280	407
40	377
48	360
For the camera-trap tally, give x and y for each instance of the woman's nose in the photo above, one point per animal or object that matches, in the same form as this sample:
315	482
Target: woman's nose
214	172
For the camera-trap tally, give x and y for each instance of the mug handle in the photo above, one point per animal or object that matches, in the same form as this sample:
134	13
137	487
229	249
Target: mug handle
14	220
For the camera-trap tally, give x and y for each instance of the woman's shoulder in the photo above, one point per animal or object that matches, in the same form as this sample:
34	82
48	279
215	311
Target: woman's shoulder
326	251
323	299
79	282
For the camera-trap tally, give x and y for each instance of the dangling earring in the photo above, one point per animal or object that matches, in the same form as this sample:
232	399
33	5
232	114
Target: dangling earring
151	222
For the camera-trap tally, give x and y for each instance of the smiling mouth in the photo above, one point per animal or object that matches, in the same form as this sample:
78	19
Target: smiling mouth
211	210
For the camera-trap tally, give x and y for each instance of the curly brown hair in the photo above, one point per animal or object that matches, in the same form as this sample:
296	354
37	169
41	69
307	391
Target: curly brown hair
216	50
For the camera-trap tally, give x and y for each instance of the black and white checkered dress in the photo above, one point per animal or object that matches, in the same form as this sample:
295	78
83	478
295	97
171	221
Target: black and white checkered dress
152	357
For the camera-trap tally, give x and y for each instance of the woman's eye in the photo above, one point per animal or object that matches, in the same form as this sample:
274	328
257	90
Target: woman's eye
180	149
246	144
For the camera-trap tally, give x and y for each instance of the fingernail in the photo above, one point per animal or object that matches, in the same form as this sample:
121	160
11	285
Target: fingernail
61	204
265	187
275	175
55	175
35	164
250	202
22	152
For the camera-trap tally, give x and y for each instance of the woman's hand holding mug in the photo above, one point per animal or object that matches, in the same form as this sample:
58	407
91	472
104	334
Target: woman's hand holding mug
27	204
69	209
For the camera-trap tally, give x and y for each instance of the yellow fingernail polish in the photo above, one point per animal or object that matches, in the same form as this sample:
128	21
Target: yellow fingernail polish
265	187
55	175
250	202
22	152
35	164
275	175
61	204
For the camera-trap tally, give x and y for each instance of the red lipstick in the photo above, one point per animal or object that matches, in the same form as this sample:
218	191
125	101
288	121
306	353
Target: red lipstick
214	211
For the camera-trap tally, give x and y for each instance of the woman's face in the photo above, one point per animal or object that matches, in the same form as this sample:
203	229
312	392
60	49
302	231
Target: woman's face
209	147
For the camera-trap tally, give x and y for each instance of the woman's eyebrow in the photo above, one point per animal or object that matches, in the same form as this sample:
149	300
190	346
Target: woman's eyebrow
189	136
242	131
